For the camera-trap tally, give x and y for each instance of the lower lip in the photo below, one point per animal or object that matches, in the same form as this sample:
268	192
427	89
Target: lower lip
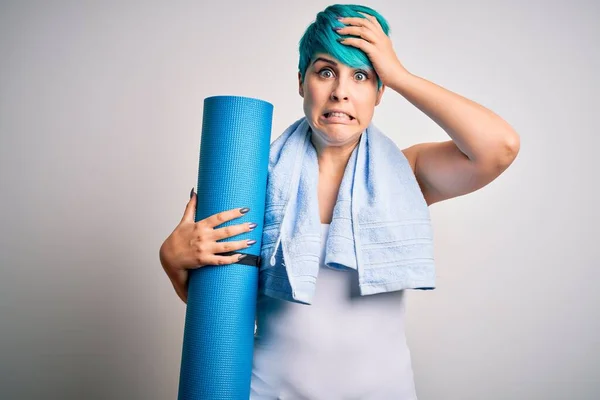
337	120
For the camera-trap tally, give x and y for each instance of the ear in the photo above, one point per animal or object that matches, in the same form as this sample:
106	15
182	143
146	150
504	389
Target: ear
379	95
300	88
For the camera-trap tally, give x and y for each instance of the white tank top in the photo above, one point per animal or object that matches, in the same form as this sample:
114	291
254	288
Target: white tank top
341	347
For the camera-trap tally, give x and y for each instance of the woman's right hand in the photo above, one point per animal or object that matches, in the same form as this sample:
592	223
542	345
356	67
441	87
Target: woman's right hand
194	244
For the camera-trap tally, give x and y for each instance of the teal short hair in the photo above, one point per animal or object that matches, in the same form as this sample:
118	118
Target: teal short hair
319	37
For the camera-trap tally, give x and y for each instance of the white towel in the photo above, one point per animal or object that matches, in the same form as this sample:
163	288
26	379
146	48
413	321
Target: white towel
381	225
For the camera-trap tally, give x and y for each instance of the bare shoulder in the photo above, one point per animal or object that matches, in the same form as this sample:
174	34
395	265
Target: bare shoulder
411	155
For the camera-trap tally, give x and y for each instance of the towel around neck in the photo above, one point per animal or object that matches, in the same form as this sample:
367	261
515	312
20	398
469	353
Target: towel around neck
381	224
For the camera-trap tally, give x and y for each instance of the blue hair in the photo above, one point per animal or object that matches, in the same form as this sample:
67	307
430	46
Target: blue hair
319	37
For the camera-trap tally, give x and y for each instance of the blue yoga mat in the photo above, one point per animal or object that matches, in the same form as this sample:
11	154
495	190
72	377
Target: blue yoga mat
218	340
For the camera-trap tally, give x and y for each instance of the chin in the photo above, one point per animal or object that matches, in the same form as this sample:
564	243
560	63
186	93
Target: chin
337	135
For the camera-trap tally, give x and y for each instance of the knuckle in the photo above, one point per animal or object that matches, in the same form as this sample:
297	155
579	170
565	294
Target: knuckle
200	248
199	226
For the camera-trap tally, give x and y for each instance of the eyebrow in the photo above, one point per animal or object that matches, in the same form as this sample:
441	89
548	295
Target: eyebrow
325	60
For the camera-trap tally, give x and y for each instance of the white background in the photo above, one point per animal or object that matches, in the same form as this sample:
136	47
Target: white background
100	118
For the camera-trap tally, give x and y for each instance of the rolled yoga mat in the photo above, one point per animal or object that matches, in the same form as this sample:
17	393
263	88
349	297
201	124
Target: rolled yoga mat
218	340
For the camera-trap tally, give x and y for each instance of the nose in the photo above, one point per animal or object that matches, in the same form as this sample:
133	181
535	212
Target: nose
340	91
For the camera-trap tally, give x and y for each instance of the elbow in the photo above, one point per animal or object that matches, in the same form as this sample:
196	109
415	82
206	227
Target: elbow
510	149
500	159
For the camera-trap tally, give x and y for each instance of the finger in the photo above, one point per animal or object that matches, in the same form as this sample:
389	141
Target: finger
359	31
222	217
224	260
373	20
370	18
230	231
223	247
190	210
358	43
357	21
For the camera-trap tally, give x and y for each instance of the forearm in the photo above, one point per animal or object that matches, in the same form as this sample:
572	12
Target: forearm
477	131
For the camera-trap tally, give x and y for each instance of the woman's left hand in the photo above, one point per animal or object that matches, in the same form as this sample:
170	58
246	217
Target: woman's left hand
375	43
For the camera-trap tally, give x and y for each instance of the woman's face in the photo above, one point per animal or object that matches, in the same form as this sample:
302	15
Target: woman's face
330	85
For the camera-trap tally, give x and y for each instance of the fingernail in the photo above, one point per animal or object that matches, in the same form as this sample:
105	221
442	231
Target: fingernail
252	225
244	210
251	242
191	193
242	256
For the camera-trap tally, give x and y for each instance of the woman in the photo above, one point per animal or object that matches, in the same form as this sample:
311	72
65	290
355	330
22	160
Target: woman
341	82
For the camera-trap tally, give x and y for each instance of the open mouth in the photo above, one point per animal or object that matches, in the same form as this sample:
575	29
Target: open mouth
339	115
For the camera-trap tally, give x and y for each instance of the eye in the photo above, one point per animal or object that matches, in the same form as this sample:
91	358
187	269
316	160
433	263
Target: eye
363	74
325	70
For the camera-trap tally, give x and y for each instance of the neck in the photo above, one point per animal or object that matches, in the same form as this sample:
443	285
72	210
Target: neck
333	159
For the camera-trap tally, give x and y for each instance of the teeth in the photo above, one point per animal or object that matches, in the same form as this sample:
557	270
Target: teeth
338	114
